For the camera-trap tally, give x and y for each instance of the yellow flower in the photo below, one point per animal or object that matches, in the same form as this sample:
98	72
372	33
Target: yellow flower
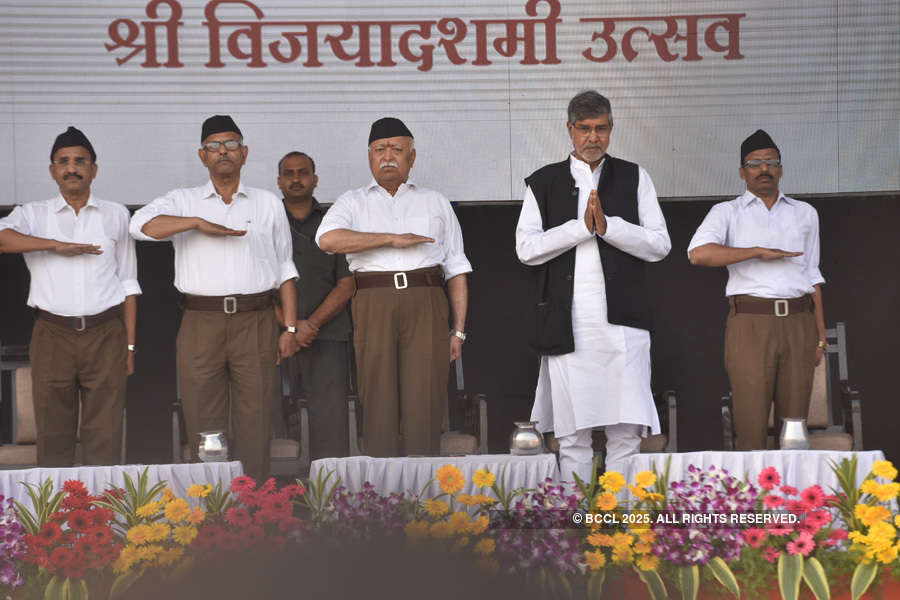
605	501
642	548
184	534
149	553
646	535
479	525
436	508
622	540
483	478
882	532
600	539
654	497
170	555
482	499
441	530
466	500
869	486
884	469
645	479
139	534
489	564
613	481
197	516
871	515
451	479
485	546
199	491
126	559
596	560
897	521
168	495
887	491
647	562
149	509
461	543
416	531
159	532
178	510
459	522
641	524
637	492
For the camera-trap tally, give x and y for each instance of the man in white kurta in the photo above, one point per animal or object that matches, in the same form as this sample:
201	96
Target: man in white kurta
605	381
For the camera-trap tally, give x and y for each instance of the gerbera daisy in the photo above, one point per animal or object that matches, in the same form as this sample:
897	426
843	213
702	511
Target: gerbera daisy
813	496
769	478
451	479
242	483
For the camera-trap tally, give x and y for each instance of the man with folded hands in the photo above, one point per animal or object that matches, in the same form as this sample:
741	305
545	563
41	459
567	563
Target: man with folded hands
84	288
402	242
232	249
775	333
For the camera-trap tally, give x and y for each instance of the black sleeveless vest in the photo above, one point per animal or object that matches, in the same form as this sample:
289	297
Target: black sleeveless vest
627	301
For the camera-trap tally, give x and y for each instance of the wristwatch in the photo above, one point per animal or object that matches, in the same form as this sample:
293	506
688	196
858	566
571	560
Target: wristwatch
822	344
132	348
291	329
461	335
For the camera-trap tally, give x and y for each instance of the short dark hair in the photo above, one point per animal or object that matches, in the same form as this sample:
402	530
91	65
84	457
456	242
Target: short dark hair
293	153
589	104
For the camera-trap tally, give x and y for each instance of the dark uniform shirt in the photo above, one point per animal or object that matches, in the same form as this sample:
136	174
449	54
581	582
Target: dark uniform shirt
319	273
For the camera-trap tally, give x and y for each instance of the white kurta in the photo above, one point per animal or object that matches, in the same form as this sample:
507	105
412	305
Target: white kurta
606	380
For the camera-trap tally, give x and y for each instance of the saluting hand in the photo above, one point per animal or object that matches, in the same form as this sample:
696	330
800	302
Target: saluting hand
69	249
204	226
775	254
405	240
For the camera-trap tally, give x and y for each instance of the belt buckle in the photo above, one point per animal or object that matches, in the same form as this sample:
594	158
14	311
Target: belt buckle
397	278
82	325
233	308
781	308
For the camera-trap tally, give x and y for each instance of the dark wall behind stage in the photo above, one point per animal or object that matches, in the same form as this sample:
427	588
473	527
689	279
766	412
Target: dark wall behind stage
859	259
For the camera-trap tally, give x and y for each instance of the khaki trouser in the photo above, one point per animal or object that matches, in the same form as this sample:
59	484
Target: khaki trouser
220	353
768	359
403	361
64	361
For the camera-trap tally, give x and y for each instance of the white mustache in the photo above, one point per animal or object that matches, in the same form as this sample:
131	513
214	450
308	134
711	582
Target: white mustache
389	163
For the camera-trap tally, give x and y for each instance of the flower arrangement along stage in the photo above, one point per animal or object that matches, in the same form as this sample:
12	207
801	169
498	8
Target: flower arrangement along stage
709	535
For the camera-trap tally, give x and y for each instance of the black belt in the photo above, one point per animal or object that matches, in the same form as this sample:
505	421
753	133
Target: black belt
229	304
780	307
81	323
400	280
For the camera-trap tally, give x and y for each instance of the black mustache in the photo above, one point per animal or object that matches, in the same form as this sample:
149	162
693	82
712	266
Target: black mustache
70	175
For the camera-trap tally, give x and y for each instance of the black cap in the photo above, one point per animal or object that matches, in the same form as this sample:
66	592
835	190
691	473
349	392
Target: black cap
388	127
758	141
72	137
218	124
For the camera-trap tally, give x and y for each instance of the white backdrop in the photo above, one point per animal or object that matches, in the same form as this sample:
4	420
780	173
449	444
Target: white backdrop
822	76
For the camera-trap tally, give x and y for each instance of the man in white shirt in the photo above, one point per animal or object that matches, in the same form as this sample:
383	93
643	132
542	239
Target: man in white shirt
402	242
232	249
588	226
84	289
775	334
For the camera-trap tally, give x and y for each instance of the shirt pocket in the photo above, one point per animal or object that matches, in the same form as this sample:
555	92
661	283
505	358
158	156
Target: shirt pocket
429	226
262	246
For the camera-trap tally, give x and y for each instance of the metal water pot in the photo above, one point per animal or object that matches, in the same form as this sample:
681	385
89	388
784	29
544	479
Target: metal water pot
794	435
525	439
213	446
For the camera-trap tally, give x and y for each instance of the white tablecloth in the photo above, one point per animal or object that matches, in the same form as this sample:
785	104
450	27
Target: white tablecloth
97	479
403	474
799	468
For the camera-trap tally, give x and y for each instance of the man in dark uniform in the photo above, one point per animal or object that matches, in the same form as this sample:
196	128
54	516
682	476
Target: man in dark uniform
319	369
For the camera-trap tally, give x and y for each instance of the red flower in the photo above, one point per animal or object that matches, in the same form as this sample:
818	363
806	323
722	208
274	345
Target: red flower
250	498
811	526
100	534
278	504
102	515
268	486
73	486
252	535
49	533
773	501
290	524
36	555
74	571
117	493
57	516
60	557
769	478
294	490
79	520
242	484
239	517
839	534
788	490
230	541
75	503
820	517
813	496
754	537
210	536
86	545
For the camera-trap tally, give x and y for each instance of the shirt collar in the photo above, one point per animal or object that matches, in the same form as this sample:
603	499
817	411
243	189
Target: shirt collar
316	208
580	164
61	203
748	197
209	190
409	183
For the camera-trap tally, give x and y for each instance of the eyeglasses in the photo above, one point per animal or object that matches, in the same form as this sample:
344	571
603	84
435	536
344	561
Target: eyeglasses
587	129
78	162
230	145
758	162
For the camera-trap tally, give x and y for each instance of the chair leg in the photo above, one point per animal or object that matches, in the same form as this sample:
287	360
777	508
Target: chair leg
672	404
482	424
305	460
354	435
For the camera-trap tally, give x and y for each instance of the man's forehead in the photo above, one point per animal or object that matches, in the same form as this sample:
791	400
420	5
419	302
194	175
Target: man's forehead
401	140
73	151
594	121
296	162
762	153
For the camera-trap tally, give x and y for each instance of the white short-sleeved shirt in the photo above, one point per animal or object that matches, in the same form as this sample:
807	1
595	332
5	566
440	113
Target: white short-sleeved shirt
745	222
413	209
208	265
87	284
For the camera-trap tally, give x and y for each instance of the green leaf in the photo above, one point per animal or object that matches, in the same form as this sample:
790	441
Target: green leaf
54	589
790	573
815	578
863	577
654	583
723	575
595	584
75	589
689	581
123	583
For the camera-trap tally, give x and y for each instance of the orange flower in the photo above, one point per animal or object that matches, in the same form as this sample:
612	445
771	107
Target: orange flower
451	479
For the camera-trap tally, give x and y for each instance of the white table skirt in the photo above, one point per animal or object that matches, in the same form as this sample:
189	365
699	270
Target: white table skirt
402	474
799	468
97	479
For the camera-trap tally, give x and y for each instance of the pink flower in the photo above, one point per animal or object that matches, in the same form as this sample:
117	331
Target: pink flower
239	517
777	528
809	525
839	534
242	484
813	496
788	490
769	478
294	490
821	517
798	507
772	554
754	537
268	486
773	501
804	544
